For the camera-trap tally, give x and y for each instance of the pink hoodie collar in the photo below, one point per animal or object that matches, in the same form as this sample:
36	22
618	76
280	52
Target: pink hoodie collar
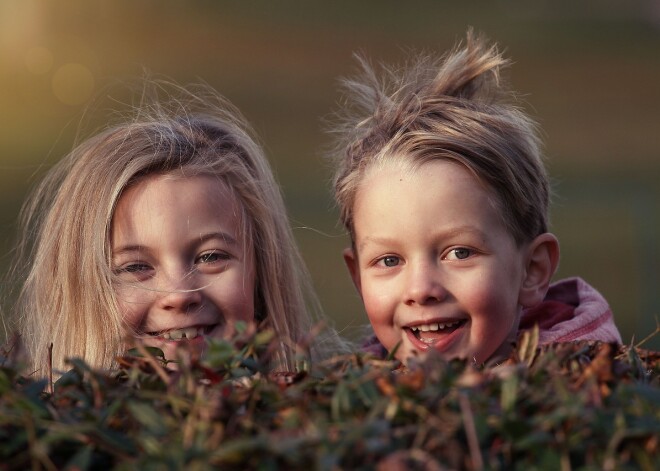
572	310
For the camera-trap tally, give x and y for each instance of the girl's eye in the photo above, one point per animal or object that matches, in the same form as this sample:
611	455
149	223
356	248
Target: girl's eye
460	253
134	268
389	261
212	257
134	271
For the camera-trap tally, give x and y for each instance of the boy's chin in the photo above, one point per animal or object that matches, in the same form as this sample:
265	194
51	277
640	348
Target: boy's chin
500	355
497	357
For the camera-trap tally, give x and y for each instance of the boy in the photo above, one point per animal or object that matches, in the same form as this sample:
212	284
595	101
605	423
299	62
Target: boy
444	194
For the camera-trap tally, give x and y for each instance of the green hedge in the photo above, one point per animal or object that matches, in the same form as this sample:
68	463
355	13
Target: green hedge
586	406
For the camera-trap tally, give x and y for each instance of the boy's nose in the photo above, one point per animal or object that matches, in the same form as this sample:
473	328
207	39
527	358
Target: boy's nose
424	285
180	295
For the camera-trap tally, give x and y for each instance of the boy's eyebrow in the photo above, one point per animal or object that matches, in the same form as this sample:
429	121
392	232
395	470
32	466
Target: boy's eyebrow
453	232
376	240
224	236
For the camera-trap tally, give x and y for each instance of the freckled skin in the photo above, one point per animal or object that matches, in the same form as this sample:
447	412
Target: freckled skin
180	259
431	247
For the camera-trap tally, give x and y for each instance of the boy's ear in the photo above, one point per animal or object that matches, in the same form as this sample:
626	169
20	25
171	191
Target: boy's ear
350	258
540	264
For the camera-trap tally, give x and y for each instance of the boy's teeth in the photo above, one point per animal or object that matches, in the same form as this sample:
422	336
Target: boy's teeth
434	327
179	334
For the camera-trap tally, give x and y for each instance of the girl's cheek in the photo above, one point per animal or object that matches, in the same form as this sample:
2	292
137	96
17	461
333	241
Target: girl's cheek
132	319
131	306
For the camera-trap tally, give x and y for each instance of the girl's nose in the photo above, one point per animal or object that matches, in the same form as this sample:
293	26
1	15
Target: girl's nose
424	285
181	295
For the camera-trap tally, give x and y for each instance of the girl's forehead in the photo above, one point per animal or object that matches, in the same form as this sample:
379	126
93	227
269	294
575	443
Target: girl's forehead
155	183
170	209
203	193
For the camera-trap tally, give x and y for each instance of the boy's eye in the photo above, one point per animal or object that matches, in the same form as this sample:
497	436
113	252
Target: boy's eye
390	261
460	253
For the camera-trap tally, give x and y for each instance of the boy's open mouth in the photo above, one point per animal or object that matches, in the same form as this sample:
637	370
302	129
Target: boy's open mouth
186	333
432	332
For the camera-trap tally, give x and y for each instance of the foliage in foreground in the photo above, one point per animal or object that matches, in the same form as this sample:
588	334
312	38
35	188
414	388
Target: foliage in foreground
570	406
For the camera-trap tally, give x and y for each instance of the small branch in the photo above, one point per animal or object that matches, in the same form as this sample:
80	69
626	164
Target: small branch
651	335
471	432
51	387
160	371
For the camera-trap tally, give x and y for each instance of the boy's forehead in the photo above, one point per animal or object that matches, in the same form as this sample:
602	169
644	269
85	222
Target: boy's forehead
405	167
388	185
396	161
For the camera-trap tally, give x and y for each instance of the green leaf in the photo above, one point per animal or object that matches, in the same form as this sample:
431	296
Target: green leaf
154	351
148	417
81	460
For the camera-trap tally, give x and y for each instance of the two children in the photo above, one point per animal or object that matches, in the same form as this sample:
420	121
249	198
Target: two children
442	189
167	228
170	228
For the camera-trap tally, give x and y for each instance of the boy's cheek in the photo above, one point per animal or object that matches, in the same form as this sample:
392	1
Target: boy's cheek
376	304
381	318
493	334
388	337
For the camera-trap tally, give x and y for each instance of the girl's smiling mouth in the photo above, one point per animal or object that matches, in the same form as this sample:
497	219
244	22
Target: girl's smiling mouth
185	333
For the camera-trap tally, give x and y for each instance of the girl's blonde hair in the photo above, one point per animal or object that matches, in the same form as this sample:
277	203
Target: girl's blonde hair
68	298
455	108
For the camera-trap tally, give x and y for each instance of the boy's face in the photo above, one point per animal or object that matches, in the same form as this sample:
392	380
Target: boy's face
435	265
183	271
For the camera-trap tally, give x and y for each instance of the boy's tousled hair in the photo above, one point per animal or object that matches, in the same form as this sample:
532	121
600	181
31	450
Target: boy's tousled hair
67	297
457	109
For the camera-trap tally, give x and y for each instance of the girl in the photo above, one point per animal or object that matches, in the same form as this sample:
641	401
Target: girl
443	191
169	227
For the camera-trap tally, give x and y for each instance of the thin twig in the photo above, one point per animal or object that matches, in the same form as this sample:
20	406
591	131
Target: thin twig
651	335
160	371
471	432
51	387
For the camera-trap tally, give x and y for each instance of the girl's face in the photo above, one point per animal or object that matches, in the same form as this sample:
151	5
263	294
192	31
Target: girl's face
183	269
434	264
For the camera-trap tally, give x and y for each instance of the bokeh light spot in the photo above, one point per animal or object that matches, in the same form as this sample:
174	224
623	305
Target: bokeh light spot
73	84
39	60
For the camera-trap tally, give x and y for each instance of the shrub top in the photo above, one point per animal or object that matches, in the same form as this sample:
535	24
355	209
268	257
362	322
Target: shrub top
583	405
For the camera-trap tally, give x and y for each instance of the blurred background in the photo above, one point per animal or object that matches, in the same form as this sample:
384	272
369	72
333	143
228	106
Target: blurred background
589	73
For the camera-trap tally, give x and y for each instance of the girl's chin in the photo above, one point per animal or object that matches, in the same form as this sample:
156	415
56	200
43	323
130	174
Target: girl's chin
173	349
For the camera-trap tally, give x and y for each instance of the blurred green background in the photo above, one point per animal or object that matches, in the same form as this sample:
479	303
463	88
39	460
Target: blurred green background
589	72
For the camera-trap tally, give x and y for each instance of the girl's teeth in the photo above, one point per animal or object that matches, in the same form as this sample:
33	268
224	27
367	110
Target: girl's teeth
179	334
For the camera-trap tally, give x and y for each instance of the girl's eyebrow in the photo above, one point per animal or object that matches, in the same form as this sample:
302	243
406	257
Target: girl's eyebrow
223	236
128	249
